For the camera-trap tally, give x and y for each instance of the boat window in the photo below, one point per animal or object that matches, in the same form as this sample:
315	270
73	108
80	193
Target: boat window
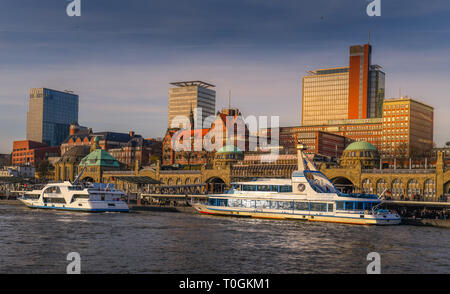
273	204
264	188
222	202
319	182
55	200
340	205
318	206
285	188
32	196
75	188
249	187
349	205
330	207
52	190
79	196
274	188
359	205
302	206
262	204
248	203
235	203
285	205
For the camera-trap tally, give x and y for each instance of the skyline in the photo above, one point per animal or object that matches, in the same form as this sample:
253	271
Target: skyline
120	59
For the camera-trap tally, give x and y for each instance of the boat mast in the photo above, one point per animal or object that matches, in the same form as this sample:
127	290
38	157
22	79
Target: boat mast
79	176
302	159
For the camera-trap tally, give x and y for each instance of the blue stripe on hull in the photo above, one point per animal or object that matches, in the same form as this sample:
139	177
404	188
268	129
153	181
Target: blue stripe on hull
81	209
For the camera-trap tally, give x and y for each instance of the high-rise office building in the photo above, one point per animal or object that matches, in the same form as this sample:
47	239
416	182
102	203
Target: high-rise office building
407	127
194	100
50	115
353	92
325	96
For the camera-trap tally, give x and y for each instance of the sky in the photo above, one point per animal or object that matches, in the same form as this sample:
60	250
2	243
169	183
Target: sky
120	56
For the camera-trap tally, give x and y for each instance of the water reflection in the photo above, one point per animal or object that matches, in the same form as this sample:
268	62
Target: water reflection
38	242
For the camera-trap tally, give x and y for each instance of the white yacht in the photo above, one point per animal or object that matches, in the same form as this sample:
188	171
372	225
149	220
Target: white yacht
72	196
308	195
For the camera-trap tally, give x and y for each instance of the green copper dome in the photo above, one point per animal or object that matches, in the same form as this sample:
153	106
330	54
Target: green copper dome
99	157
229	149
361	145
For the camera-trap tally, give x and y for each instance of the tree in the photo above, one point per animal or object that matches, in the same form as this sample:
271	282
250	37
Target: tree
44	169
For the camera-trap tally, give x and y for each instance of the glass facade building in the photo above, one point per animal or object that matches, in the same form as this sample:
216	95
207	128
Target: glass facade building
50	115
376	92
191	100
353	92
325	96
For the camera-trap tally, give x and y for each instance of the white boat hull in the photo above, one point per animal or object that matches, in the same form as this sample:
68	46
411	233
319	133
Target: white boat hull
345	218
87	206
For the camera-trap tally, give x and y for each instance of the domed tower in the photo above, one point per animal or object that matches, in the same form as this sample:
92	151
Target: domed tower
360	152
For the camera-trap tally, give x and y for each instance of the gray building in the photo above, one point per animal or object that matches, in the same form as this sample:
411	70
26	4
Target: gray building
50	114
192	100
376	91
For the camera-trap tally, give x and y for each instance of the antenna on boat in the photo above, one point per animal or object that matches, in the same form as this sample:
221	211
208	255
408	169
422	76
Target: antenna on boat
79	175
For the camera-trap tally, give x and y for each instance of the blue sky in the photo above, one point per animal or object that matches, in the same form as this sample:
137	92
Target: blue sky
120	56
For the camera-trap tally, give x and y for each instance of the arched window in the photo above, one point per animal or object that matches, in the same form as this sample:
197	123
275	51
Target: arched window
381	186
429	189
413	189
397	189
367	186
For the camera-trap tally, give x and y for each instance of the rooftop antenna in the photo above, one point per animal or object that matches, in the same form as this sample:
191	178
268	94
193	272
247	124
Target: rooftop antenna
229	100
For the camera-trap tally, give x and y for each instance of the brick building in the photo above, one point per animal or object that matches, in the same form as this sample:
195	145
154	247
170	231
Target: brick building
28	152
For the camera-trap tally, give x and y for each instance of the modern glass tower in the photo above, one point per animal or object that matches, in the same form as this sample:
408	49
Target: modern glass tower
352	92
50	114
193	100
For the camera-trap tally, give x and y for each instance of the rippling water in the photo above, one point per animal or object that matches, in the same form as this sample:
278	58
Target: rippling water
38	241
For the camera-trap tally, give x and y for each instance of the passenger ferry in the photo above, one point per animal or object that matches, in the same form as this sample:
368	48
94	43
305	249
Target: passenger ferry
308	195
72	196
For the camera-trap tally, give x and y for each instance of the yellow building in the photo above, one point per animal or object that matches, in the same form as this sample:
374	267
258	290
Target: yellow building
407	128
325	96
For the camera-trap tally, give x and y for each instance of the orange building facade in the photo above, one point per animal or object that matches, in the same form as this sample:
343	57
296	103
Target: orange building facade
28	152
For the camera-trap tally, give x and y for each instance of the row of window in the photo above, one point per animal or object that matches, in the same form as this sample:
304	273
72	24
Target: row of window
263	188
272	204
293	205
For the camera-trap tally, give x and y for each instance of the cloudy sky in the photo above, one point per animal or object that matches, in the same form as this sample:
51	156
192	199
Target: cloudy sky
120	56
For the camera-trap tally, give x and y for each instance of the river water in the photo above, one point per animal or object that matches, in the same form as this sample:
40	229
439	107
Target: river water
38	241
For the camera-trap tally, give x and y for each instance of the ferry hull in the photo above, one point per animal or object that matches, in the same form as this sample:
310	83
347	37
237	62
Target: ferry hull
101	207
367	220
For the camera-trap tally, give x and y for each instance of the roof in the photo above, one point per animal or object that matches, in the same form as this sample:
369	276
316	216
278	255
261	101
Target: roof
361	145
192	83
99	157
229	149
75	154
